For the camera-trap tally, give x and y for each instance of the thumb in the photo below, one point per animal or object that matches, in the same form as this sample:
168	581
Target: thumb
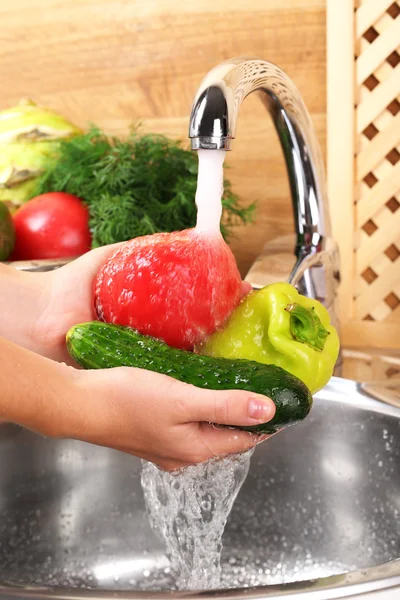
94	259
228	407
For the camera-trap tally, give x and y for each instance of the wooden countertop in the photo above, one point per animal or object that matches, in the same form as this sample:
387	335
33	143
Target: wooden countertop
367	365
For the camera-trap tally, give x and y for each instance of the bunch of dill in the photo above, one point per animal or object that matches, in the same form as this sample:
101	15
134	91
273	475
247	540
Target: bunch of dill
137	186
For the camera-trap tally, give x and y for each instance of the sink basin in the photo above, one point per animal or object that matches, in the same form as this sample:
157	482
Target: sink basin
318	516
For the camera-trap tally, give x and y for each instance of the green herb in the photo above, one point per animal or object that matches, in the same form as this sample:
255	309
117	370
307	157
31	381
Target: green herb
138	186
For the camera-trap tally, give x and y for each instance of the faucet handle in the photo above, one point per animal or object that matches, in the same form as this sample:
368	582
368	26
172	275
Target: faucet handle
314	274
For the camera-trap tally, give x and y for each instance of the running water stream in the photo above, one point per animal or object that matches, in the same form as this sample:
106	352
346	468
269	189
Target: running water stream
189	509
210	187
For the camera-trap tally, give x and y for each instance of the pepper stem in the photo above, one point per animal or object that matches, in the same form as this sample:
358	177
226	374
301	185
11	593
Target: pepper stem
306	327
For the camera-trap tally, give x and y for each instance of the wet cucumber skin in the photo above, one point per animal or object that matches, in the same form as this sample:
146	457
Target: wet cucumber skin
98	345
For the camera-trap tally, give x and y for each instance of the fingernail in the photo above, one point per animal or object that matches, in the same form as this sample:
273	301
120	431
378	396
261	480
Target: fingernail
260	410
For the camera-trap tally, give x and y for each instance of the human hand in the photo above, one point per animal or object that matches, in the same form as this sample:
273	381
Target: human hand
69	294
37	309
136	411
158	418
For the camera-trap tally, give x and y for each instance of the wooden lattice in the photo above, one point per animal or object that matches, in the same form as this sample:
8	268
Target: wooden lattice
364	165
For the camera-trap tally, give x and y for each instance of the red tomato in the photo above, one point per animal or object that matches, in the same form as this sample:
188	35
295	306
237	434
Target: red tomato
53	225
179	287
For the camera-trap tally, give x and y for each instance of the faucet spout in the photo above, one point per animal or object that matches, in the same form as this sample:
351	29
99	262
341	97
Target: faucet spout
212	125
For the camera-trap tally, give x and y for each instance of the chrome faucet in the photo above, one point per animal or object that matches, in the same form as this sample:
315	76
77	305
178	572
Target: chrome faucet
314	269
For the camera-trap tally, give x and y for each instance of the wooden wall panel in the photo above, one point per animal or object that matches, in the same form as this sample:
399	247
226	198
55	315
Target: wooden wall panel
364	166
112	62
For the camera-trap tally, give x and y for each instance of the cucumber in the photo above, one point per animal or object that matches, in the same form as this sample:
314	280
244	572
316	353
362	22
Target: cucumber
98	345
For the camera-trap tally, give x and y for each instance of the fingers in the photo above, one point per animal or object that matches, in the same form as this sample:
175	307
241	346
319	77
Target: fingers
183	403
212	442
160	419
221	442
230	407
246	288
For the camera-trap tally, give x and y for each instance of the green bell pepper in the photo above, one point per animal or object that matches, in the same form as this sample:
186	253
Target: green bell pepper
276	325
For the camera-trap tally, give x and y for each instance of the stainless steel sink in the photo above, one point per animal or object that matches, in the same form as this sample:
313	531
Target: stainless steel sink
318	516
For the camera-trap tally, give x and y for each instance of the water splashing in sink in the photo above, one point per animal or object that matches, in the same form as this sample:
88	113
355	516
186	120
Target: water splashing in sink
189	510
